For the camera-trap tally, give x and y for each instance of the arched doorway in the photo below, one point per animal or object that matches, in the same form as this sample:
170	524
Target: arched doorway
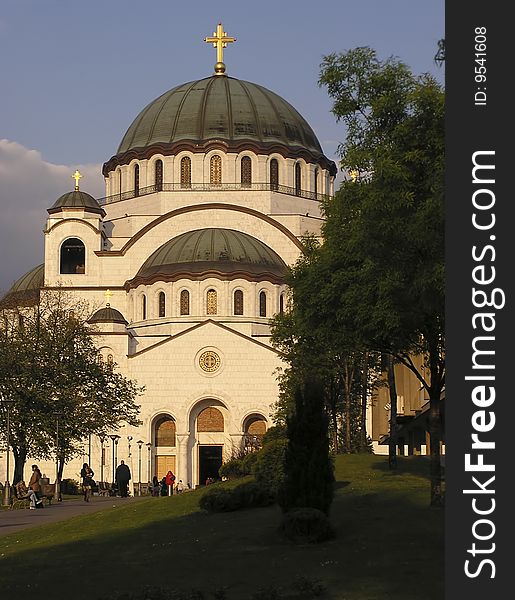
164	431
210	428
254	428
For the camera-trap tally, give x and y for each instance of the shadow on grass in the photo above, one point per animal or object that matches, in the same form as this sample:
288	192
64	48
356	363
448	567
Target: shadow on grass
341	484
412	465
386	546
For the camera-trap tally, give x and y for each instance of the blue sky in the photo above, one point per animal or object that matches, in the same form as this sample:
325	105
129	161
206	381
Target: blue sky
75	74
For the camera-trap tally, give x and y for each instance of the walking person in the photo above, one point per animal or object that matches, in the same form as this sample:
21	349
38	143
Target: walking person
35	486
87	480
123	476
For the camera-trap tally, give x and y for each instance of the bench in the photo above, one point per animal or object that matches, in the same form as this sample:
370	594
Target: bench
104	489
46	495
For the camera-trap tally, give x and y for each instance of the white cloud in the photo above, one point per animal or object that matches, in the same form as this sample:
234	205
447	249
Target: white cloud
28	186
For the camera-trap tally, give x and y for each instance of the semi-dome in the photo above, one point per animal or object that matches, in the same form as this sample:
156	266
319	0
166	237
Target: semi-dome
107	315
222	253
223	109
26	289
76	199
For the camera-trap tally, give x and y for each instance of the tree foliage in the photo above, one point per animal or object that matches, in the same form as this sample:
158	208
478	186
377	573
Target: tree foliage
60	391
383	251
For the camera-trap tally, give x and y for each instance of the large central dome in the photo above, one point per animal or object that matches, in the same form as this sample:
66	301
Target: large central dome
222	109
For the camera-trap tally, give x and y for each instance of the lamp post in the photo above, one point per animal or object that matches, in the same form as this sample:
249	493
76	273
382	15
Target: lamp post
129	440
149	446
7	487
102	440
115	439
140	443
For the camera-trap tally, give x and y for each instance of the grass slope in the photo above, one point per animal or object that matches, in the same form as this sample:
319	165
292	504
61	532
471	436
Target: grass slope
389	544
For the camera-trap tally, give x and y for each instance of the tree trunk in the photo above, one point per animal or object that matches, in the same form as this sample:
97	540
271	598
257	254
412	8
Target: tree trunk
364	394
437	498
20	458
392	455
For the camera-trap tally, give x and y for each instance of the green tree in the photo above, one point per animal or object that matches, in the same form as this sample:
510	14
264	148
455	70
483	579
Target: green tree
383	253
61	392
309	477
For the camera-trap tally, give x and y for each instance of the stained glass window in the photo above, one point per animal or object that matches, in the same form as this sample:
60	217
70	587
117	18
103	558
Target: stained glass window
215	170
136	180
246	171
185	172
211	302
274	174
159	175
165	432
316	182
297	179
185	302
238	302
210	419
143	307
162	304
262	304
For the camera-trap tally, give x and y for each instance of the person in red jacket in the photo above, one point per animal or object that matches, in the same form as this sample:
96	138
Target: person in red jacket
170	480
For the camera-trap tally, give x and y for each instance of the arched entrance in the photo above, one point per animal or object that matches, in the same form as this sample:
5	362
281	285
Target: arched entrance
210	421
164	432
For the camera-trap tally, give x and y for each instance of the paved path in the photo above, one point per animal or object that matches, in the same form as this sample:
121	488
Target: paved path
16	520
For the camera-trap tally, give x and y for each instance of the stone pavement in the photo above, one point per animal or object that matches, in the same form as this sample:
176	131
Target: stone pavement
16	520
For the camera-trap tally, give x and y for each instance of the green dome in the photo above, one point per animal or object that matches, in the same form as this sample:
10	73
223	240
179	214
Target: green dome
221	253
237	113
26	289
107	315
76	199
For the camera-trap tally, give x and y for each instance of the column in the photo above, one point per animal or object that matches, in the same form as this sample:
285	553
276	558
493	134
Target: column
182	457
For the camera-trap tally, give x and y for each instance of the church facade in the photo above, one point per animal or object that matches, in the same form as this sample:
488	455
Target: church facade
183	262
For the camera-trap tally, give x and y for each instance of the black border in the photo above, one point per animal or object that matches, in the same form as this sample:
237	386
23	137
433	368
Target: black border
477	128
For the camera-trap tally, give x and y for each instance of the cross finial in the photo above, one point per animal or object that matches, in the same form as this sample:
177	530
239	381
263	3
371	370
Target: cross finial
220	39
108	293
354	174
76	176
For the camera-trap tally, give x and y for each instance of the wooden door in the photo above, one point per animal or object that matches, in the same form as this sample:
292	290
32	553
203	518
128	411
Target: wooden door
164	463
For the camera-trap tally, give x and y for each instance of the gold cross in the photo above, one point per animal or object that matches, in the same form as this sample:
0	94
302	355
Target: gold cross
220	39
76	176
108	293
354	174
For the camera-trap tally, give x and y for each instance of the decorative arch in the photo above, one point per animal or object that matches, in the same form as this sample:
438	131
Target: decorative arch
164	431
72	256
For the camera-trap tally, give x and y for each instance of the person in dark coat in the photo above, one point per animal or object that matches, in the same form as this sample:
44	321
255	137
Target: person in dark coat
123	476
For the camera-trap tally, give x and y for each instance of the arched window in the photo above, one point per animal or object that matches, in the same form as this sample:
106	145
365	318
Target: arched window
298	174
185	302
262	304
136	180
185	172
254	428
120	181
246	171
315	187
110	360
215	170
238	302
281	303
73	256
274	174
211	302
210	419
162	304
164	432
143	307
159	175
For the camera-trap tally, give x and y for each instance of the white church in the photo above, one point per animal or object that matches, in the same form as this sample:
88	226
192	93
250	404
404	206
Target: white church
207	198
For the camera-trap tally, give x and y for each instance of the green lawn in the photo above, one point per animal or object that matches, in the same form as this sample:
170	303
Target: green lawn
389	544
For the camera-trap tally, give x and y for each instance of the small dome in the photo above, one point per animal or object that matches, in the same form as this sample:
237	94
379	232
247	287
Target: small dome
237	113
107	315
221	253
26	289
76	199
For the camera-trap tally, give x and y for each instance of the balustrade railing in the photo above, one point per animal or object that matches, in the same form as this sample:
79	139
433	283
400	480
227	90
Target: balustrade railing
210	187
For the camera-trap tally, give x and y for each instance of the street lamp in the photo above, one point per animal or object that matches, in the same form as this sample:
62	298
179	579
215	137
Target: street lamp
7	487
129	440
149	446
102	440
115	439
140	443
